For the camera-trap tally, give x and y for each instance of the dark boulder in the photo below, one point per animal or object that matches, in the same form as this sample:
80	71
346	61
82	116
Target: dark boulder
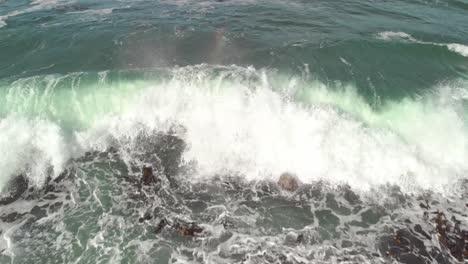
161	225
405	246
15	188
148	177
190	230
146	217
418	229
288	182
38	212
51	185
11	217
451	237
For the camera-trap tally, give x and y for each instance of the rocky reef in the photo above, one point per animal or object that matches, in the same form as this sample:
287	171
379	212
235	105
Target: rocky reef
145	200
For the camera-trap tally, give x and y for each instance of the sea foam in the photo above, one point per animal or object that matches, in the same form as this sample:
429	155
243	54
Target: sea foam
402	36
247	122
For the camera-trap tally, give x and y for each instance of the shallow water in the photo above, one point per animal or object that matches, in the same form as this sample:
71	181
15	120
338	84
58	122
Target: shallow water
94	216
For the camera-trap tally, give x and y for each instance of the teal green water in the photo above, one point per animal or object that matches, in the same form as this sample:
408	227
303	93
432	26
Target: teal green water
46	37
364	93
337	41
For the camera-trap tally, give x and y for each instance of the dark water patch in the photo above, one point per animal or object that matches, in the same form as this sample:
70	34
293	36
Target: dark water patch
14	190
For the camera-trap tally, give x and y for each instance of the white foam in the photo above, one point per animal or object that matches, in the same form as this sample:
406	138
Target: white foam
257	133
2	21
458	48
240	121
390	35
402	36
345	61
105	11
30	147
5	17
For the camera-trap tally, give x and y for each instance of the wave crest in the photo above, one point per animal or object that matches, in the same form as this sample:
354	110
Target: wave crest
255	123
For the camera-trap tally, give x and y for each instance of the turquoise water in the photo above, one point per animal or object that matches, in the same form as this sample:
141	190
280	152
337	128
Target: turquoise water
371	95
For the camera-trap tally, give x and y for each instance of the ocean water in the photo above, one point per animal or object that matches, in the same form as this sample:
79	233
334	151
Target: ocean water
365	102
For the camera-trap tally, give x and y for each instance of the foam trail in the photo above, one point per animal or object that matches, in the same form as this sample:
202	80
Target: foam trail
389	35
458	48
105	11
5	17
454	47
2	21
255	123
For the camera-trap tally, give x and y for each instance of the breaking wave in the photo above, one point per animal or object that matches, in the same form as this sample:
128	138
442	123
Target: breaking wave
238	120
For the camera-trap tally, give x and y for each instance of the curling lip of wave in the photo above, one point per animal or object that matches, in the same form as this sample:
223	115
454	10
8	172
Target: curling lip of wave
391	35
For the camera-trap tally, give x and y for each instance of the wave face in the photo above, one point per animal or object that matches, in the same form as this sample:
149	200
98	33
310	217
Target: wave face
237	120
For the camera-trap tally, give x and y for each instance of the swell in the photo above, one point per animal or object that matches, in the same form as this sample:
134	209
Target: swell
238	120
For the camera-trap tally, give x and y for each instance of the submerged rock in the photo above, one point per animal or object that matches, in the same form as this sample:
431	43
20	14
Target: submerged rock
15	189
408	246
190	230
346	244
148	177
300	238
169	150
349	195
288	182
160	226
52	185
145	217
404	246
451	237
11	217
38	212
